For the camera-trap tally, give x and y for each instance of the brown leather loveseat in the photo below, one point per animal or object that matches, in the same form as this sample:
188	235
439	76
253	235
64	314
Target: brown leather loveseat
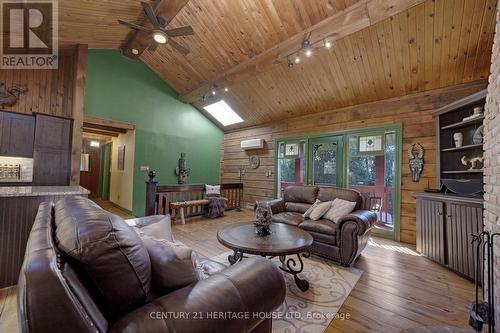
74	247
343	241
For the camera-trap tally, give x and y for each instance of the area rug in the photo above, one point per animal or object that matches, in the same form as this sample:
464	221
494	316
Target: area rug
313	310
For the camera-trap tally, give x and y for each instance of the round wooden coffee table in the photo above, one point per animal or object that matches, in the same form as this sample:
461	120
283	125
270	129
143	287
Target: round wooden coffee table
284	240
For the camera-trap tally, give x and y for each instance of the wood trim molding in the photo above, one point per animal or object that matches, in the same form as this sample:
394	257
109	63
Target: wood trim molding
108	123
346	22
79	80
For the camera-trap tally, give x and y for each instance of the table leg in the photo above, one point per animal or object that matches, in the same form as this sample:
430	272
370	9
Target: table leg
235	257
182	215
293	267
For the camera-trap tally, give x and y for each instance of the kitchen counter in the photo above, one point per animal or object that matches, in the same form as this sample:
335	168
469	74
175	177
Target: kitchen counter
35	191
18	209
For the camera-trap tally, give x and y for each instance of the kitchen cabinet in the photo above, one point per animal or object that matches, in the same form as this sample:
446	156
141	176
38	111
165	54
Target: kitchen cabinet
52	152
17	132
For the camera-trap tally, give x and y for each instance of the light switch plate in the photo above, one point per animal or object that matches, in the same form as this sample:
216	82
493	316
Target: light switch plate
144	167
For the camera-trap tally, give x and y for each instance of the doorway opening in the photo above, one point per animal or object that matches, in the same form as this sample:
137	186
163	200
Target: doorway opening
107	163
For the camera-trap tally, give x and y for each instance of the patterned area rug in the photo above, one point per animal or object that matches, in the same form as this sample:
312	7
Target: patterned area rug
313	310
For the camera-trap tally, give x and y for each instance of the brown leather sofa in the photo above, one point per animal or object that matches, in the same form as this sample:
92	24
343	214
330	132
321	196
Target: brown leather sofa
57	293
343	241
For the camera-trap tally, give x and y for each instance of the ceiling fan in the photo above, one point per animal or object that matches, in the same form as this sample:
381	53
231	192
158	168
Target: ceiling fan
158	32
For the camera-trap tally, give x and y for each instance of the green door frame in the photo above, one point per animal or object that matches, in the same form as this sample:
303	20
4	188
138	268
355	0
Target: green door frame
339	140
397	128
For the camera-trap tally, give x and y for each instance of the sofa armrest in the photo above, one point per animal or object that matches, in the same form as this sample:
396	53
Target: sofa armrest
277	205
233	300
365	219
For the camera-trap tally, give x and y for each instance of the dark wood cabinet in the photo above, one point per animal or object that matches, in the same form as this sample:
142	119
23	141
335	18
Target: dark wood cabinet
17	132
52	155
445	223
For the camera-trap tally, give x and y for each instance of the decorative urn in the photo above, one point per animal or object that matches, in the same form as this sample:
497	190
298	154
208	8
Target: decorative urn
262	222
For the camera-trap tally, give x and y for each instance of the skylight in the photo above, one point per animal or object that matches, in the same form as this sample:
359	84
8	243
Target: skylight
223	113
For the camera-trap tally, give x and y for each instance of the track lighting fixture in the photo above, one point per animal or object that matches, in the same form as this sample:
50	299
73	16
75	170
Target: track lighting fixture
214	92
290	63
226	89
306	46
297	58
328	44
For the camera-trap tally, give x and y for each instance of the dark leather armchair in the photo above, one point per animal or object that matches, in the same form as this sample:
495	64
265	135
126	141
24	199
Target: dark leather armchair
56	293
342	241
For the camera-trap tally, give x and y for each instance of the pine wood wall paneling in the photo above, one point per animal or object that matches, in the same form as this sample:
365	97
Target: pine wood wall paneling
49	91
413	111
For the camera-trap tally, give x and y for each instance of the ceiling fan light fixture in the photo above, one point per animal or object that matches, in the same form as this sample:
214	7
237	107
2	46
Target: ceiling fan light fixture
135	51
160	37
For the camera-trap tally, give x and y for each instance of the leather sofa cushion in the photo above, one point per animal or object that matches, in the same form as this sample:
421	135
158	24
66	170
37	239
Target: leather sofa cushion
173	265
322	226
323	238
291	218
332	193
108	250
299	193
297	207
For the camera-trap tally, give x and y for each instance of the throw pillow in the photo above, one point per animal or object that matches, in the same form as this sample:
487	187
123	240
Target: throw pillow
173	264
309	211
320	210
212	190
339	208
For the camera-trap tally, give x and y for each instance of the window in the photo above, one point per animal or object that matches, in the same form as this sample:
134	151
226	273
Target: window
372	143
223	113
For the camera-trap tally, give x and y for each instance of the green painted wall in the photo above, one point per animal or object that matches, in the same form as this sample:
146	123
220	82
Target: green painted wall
119	88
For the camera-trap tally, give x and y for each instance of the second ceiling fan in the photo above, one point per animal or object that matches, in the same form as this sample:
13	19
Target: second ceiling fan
158	32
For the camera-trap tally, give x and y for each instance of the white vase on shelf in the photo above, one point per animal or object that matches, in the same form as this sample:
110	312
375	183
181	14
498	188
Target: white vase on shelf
458	138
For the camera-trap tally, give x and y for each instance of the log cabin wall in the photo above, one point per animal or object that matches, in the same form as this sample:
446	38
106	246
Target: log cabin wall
413	111
52	92
49	91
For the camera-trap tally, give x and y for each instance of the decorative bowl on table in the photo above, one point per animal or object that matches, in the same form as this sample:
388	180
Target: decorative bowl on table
262	222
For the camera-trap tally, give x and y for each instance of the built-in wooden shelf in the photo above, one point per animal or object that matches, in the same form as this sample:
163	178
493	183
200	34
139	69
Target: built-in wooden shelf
461	124
467	147
463	171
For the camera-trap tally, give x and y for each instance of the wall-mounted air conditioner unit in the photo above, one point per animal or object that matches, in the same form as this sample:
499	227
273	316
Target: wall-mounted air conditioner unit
252	144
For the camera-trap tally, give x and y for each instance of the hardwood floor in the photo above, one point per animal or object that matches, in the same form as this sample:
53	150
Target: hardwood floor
398	290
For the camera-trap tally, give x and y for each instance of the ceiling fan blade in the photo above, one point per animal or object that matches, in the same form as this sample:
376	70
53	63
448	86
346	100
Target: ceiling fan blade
134	26
178	46
150	13
182	31
153	46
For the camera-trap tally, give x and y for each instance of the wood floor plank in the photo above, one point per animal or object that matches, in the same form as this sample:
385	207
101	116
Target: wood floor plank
399	289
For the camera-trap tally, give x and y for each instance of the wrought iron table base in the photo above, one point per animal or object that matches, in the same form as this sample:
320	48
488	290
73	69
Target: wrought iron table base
290	265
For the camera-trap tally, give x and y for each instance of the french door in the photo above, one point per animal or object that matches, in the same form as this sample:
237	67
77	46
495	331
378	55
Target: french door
325	161
367	160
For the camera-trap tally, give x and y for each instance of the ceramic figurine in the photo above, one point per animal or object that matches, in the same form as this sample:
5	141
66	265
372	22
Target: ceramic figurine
458	138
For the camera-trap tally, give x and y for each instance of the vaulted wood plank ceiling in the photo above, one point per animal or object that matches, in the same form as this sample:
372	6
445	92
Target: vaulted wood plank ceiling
434	44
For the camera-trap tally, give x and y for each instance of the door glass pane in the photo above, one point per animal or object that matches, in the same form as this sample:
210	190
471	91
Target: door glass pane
324	163
291	167
373	173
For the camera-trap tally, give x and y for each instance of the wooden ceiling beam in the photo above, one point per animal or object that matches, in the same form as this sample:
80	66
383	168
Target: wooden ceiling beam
108	122
98	132
141	40
346	22
104	128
